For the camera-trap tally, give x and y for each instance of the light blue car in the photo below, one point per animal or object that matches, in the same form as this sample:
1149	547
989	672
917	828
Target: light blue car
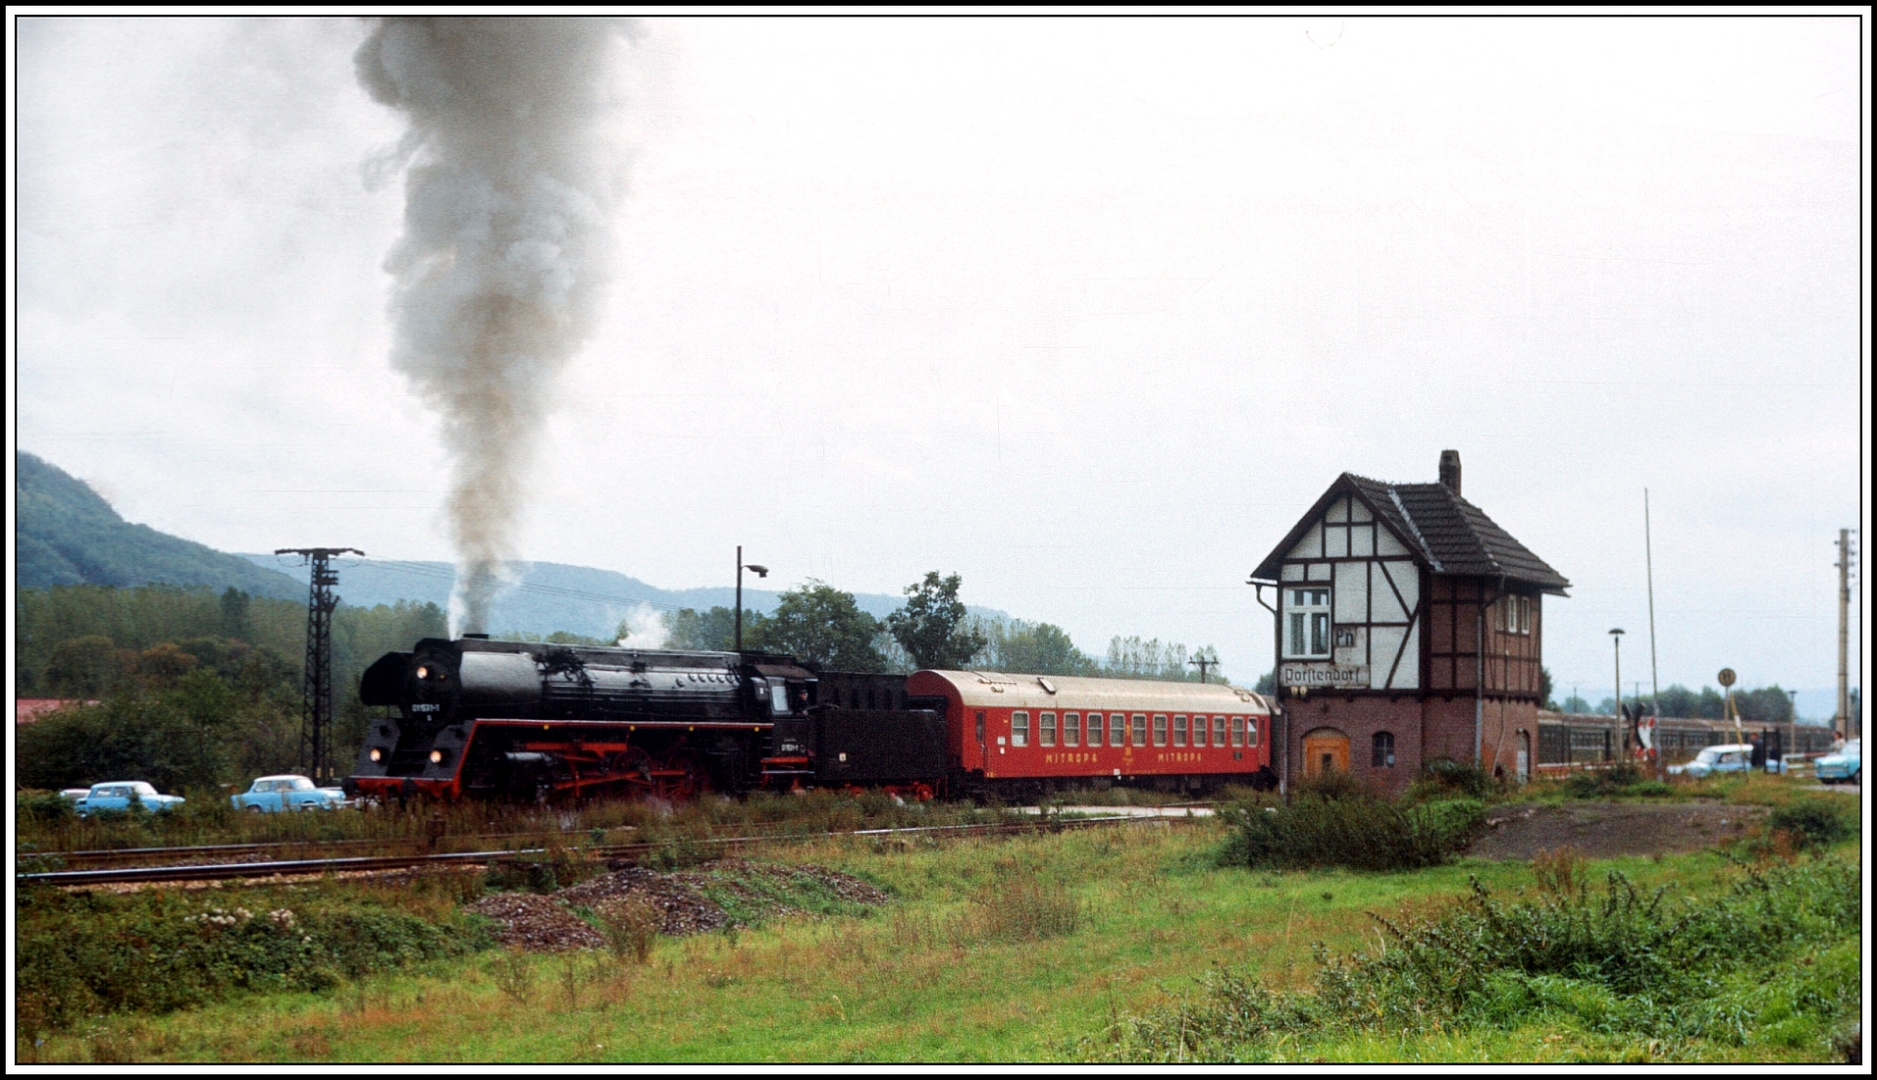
123	795
272	794
1728	757
1843	765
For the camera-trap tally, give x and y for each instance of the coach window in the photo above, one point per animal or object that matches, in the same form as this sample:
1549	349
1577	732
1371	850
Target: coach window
1047	721
1218	731
1251	731
1309	623
1072	729
1238	731
1160	729
1179	730
1383	756
1019	729
1117	729
1140	729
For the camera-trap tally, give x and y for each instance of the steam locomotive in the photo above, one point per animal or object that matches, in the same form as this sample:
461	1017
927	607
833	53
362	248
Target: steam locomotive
479	717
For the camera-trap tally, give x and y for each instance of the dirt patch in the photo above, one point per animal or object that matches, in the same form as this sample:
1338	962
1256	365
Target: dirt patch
1603	830
547	923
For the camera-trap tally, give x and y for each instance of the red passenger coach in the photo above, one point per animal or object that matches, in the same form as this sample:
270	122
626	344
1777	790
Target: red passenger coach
1027	733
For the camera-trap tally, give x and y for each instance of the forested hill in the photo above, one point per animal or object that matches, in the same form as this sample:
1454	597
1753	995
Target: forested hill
68	535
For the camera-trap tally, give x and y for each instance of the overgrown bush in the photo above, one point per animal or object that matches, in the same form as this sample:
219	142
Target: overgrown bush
1623	963
1357	831
1812	822
1020	905
1622	779
153	952
1444	778
631	927
543	871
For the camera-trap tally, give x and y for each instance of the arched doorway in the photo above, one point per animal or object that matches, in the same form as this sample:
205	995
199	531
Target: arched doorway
1325	750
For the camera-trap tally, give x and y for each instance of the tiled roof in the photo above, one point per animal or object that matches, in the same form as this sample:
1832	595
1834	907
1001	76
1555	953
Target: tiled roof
1453	535
1447	533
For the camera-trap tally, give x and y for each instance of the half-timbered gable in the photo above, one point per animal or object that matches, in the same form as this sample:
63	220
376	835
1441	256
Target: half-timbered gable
1407	593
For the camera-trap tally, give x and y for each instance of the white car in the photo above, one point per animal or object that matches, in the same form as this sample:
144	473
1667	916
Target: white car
1844	764
1727	757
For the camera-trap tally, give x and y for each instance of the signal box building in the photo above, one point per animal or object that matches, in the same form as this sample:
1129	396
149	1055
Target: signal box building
1410	628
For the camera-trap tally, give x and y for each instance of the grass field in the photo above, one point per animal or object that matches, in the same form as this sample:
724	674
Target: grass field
1033	949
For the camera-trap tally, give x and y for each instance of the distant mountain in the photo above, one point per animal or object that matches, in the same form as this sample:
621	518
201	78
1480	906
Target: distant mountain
68	535
549	596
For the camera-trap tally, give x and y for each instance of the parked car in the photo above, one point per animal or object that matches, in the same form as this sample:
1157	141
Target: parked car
1841	765
124	795
1728	757
73	794
271	794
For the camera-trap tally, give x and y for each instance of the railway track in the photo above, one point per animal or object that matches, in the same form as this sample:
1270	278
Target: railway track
611	853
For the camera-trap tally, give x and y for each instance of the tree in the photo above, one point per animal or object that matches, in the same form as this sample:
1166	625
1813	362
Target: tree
821	624
931	626
713	630
1031	648
1544	689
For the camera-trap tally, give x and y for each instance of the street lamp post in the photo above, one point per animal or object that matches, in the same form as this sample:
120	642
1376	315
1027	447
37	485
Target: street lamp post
1616	639
761	572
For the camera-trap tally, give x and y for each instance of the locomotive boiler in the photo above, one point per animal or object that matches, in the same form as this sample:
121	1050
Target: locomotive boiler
481	717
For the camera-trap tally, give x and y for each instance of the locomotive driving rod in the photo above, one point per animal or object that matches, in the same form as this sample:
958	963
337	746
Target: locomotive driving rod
222	871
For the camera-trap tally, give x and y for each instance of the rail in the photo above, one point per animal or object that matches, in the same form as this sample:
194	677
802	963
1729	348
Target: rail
605	852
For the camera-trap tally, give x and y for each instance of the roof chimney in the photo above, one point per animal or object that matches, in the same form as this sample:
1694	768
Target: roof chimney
1450	470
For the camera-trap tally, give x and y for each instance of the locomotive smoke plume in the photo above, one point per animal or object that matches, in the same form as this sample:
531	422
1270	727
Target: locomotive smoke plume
506	248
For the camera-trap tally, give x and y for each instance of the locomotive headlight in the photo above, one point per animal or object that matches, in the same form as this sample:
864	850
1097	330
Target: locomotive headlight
423	671
436	757
377	754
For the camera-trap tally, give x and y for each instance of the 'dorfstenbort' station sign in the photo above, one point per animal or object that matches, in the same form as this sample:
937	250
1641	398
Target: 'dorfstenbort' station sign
1324	675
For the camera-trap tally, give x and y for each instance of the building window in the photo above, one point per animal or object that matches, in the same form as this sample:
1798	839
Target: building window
1072	730
1140	729
1383	756
1179	730
1308	621
1218	731
1048	723
1019	729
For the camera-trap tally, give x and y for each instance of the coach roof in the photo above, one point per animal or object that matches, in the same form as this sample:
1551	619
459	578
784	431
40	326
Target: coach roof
995	689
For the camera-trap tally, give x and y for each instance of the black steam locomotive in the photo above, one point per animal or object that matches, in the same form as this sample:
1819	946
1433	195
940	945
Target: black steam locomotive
530	720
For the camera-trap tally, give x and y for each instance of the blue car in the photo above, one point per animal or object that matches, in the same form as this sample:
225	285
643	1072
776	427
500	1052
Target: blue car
123	795
272	794
1843	765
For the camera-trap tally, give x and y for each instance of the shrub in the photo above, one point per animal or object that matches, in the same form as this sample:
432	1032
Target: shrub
1622	963
1623	778
1811	822
1444	778
1020	906
542	872
1360	832
631	927
155	952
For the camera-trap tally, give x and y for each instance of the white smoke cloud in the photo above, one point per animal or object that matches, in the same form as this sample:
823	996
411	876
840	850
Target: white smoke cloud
510	180
643	628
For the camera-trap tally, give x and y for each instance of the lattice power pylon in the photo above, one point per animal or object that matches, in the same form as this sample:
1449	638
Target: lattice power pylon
316	714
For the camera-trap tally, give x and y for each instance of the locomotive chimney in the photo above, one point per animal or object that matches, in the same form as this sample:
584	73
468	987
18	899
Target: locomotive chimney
1450	470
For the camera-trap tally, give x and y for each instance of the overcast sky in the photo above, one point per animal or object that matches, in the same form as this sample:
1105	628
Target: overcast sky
1087	311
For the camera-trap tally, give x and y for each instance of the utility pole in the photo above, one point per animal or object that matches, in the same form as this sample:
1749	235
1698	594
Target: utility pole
1841	724
1648	561
1204	662
761	572
316	698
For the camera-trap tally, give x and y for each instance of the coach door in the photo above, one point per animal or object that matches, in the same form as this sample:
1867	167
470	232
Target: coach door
1325	750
